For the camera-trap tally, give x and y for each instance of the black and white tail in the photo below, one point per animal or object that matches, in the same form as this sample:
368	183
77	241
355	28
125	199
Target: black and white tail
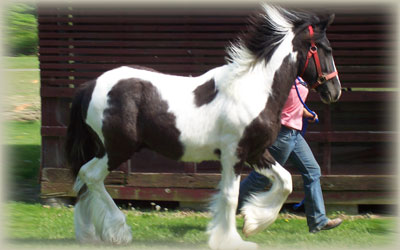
82	144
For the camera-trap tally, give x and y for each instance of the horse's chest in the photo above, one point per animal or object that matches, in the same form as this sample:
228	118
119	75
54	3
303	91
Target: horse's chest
259	135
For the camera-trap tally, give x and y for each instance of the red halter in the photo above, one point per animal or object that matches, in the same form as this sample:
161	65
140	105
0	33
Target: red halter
313	52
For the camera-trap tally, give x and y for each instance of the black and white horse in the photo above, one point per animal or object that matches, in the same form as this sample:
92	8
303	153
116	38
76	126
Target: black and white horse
230	113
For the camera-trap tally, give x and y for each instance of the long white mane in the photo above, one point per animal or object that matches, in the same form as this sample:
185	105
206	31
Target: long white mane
267	28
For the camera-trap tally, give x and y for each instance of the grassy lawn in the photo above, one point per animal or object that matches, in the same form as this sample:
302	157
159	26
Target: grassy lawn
21	126
22	89
34	225
21	62
22	141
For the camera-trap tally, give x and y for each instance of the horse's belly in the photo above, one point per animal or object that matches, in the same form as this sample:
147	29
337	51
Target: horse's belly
200	153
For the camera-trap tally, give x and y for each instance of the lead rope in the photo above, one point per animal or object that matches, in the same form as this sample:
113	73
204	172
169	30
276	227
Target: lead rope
305	121
304	128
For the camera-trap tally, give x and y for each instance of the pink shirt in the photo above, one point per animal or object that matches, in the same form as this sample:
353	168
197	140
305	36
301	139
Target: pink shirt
292	112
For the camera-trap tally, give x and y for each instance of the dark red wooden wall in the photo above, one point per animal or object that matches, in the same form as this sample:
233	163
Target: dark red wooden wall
352	143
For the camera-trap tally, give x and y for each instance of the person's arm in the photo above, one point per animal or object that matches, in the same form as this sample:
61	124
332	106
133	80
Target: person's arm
309	116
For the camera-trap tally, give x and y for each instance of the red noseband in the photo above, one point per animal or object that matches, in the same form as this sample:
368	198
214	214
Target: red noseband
313	52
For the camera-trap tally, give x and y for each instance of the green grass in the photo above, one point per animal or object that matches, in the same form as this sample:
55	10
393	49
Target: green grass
34	225
21	62
22	145
22	133
22	89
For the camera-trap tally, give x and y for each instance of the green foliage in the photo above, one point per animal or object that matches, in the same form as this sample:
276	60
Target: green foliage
21	29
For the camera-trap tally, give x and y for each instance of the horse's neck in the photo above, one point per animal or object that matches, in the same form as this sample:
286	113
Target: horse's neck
246	72
261	86
260	80
282	83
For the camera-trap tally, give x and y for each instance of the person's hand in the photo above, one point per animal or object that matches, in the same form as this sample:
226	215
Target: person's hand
312	119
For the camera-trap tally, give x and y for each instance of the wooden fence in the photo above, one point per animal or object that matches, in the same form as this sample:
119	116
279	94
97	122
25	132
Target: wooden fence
353	142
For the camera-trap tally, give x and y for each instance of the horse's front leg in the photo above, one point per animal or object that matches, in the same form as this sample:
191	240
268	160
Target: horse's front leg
222	228
261	209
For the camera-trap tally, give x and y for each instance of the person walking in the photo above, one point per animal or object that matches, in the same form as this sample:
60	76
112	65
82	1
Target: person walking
291	145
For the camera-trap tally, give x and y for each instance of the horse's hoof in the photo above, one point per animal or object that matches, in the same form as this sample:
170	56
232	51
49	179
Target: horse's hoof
118	236
251	227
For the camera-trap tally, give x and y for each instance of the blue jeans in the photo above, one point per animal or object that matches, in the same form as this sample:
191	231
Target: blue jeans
291	145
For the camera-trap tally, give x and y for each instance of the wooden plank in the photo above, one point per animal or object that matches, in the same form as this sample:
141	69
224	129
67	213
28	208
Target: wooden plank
142	10
57	92
360	96
64	175
210	181
169	43
72	62
340	23
346	14
118	51
182	27
204	195
352	28
139	36
351	136
351	197
131	11
362	45
331	182
154	20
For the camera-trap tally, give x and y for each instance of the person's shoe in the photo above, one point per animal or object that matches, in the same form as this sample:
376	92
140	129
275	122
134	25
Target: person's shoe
331	224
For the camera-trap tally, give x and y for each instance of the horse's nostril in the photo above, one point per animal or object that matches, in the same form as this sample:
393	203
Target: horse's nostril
338	96
326	97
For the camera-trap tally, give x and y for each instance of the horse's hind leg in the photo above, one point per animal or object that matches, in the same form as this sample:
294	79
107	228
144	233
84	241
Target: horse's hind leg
261	209
108	221
84	228
222	228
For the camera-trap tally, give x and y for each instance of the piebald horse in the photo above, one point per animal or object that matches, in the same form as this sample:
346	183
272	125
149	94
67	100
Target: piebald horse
231	114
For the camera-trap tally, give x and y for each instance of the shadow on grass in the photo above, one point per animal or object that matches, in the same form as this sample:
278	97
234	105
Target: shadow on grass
181	230
23	166
23	161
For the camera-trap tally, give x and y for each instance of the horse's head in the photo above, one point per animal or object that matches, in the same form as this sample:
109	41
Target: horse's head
316	64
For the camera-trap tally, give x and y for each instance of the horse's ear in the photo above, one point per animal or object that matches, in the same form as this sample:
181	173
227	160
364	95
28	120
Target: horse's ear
326	20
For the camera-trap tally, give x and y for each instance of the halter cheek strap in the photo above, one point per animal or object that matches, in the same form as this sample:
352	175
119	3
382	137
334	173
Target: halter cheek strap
313	52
